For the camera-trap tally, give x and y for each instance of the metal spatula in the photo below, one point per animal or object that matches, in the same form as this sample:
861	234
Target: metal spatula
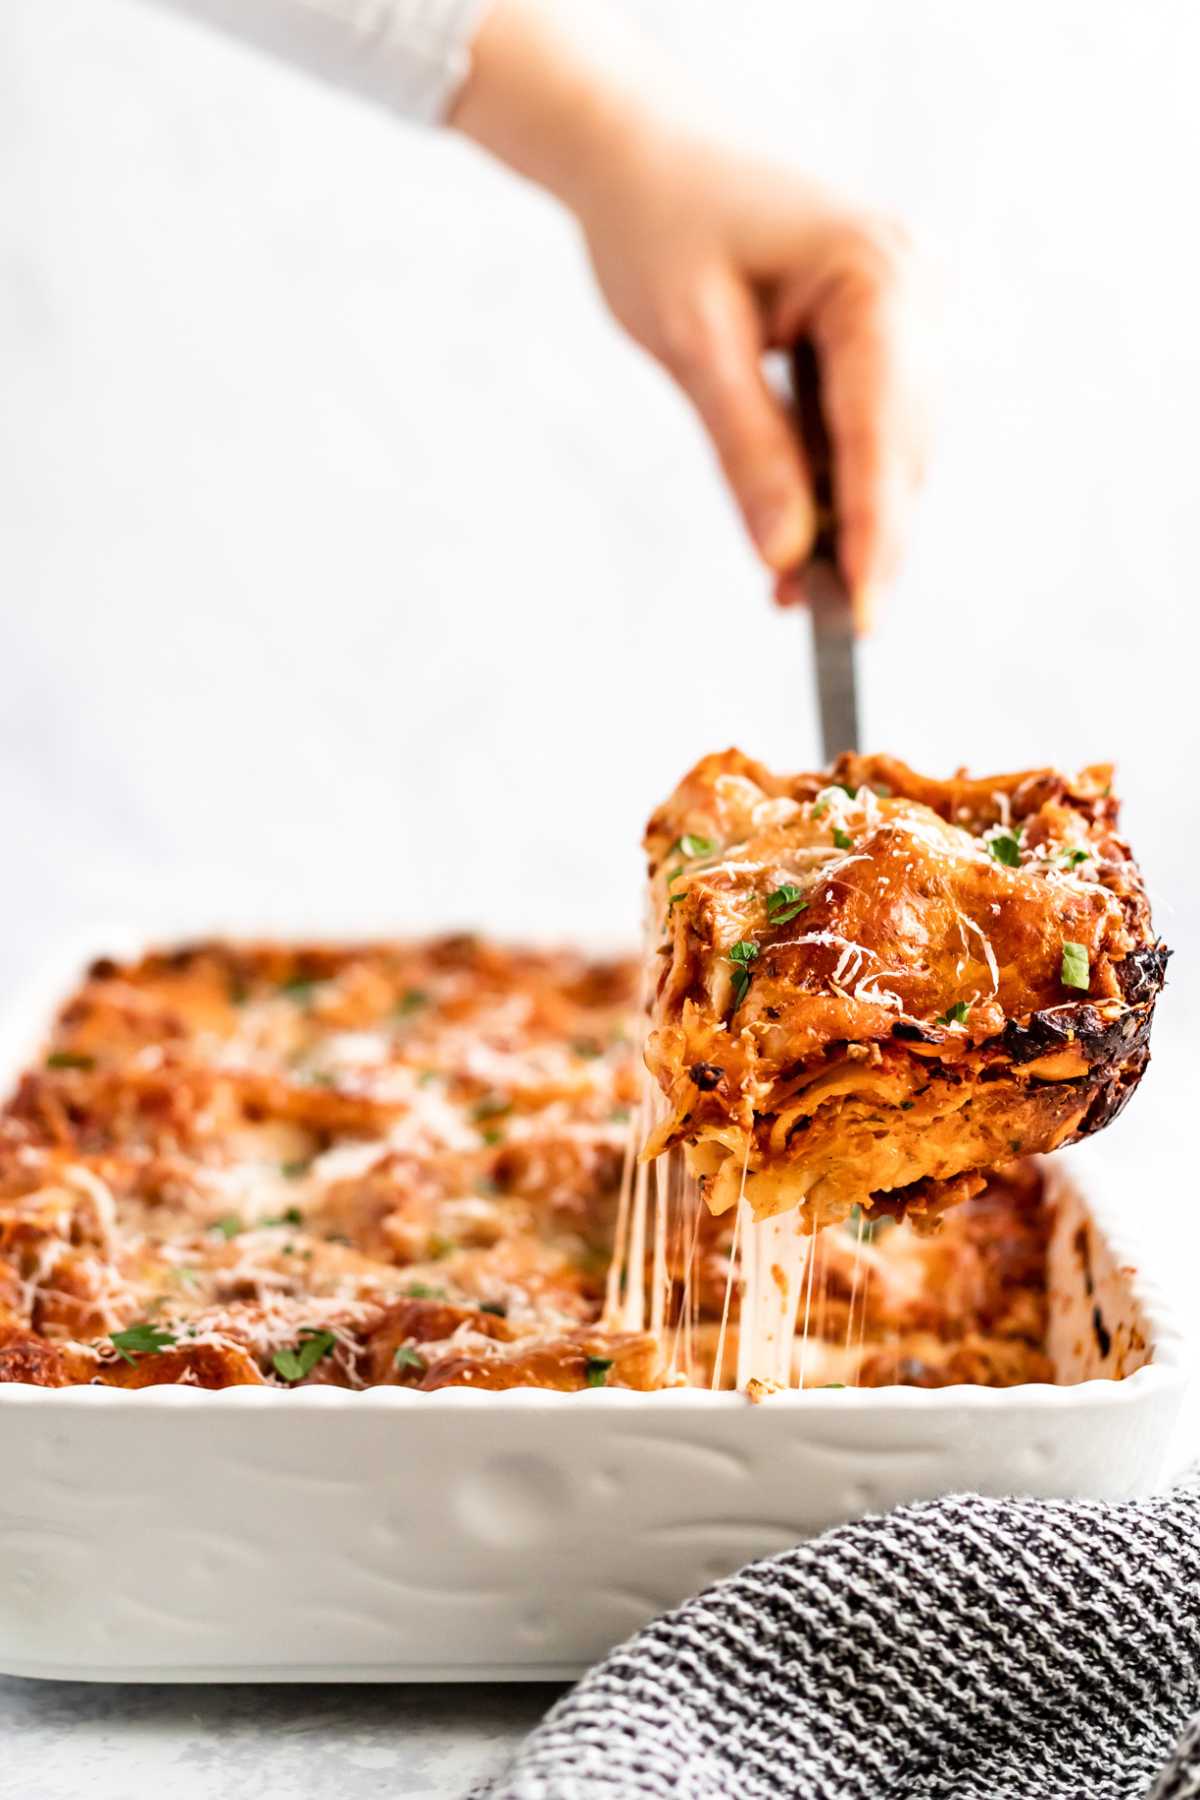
834	645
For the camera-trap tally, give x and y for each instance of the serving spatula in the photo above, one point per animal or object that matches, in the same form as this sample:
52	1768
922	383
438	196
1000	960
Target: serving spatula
834	643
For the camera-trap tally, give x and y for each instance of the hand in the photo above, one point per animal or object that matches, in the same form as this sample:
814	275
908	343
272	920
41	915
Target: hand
710	258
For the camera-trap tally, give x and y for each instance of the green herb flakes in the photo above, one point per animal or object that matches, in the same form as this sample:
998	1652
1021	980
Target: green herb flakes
293	1216
411	1001
1006	848
784	904
140	1340
229	1227
408	1358
295	1364
842	839
692	844
741	955
596	1370
859	1226
955	1015
421	1290
69	1059
1076	971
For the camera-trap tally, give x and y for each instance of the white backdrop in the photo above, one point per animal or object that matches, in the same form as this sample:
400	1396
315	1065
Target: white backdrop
355	571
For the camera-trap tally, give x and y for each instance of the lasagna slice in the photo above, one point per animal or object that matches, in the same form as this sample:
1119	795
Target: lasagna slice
870	988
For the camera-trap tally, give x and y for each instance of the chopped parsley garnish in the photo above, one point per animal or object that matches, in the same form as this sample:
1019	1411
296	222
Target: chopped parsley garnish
1071	859
587	1047
1006	848
956	1014
785	903
741	955
596	1370
293	1216
299	988
491	1106
426	1077
842	839
492	1135
140	1340
294	1170
421	1290
228	1227
295	1364
439	1247
1076	972
820	809
673	877
859	1226
620	1115
411	1001
408	1358
69	1059
692	844
831	1384
494	1307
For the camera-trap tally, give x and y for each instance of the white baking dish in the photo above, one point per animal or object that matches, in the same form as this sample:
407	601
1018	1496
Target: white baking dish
170	1534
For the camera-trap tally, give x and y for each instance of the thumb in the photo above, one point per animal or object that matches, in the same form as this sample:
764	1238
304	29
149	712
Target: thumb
755	439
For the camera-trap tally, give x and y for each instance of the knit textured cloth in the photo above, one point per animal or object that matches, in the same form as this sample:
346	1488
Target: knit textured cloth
961	1649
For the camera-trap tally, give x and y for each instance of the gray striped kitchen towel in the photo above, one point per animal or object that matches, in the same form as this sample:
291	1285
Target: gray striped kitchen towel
961	1649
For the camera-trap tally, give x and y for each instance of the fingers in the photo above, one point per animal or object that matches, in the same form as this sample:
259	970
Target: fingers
717	359
864	329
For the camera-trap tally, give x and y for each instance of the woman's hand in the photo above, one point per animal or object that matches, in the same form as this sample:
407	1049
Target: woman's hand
710	258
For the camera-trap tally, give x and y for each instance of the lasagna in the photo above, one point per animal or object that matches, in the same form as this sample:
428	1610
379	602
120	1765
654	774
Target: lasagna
404	1164
869	988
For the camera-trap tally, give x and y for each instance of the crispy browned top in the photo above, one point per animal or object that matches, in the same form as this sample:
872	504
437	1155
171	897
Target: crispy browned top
397	1163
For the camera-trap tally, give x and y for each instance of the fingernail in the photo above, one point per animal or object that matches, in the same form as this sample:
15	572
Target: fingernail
783	529
790	591
866	607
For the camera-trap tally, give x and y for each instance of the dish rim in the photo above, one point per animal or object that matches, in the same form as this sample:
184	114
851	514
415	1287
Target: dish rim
32	1006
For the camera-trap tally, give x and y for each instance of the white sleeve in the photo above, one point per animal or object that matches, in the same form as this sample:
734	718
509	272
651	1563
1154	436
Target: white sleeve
409	55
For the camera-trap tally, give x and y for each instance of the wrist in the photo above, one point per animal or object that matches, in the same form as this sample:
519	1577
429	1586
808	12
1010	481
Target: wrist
562	94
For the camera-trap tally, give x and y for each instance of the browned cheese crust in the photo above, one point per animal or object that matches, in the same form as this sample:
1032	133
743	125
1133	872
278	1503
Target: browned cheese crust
391	1163
399	1164
870	988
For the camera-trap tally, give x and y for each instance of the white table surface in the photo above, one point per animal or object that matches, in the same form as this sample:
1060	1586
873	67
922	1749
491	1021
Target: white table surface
63	1739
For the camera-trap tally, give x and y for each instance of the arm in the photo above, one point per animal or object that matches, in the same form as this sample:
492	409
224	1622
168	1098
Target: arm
709	258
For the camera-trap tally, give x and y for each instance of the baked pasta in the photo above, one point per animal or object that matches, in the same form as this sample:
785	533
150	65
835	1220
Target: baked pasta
401	1164
870	988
